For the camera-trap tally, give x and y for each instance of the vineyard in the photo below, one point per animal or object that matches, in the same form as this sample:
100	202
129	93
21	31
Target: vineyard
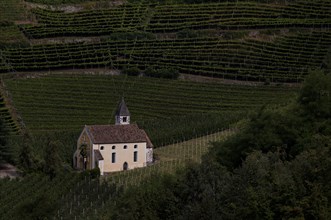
9	123
67	102
64	64
287	59
73	196
239	40
173	18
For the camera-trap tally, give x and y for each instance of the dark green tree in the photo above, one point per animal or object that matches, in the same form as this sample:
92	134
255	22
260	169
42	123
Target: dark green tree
52	159
315	95
39	208
4	152
26	157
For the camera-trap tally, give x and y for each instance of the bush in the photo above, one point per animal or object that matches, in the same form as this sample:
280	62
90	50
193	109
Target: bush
187	33
94	173
132	71
162	73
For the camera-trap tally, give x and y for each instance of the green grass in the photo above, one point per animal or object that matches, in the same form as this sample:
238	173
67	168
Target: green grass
12	10
68	102
170	158
11	35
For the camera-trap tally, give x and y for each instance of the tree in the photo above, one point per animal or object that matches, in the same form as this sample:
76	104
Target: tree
4	152
132	71
39	208
52	159
26	158
315	95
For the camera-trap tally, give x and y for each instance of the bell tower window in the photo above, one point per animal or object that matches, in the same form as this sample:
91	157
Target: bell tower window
122	116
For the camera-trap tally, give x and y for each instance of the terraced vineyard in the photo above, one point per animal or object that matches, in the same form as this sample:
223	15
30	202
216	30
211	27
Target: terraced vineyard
287	59
300	40
172	18
97	22
9	122
238	40
69	102
241	15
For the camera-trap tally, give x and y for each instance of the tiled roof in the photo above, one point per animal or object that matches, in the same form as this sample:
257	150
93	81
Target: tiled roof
108	134
122	109
97	155
148	141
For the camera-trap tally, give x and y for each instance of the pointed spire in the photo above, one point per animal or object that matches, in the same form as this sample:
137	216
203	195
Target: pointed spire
122	109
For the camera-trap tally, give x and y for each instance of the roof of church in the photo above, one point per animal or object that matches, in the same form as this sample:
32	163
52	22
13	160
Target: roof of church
122	109
108	134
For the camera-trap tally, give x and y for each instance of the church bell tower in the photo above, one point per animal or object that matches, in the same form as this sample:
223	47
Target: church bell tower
122	116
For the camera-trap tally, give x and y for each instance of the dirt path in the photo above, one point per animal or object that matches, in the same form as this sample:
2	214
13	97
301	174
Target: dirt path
206	79
8	170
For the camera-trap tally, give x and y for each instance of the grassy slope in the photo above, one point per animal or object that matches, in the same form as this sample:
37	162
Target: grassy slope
11	11
70	102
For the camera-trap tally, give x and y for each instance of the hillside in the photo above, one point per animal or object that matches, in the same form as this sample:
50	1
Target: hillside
237	40
217	85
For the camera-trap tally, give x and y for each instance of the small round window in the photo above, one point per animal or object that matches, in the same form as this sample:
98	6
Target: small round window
113	147
135	146
125	147
102	147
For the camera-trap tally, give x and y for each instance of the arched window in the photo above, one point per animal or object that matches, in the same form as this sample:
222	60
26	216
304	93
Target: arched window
102	147
135	156
113	157
125	147
125	166
113	147
135	146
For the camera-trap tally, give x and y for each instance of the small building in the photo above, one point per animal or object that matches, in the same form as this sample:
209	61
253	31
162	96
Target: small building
113	148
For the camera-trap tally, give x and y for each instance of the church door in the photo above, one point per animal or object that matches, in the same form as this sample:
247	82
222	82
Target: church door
125	166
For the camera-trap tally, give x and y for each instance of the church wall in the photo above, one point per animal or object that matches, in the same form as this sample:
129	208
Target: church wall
84	139
122	120
122	155
149	155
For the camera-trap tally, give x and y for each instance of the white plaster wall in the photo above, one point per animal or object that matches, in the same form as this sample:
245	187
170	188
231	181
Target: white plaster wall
149	155
122	156
101	166
119	120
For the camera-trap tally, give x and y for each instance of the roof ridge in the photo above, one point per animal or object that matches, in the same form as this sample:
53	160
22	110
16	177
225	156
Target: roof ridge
122	109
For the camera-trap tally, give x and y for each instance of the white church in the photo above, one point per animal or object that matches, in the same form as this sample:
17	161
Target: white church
113	148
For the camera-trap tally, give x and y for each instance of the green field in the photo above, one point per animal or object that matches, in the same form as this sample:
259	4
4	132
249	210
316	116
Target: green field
68	102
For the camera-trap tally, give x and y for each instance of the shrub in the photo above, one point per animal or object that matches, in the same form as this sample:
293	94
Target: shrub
94	173
167	73
187	33
131	71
